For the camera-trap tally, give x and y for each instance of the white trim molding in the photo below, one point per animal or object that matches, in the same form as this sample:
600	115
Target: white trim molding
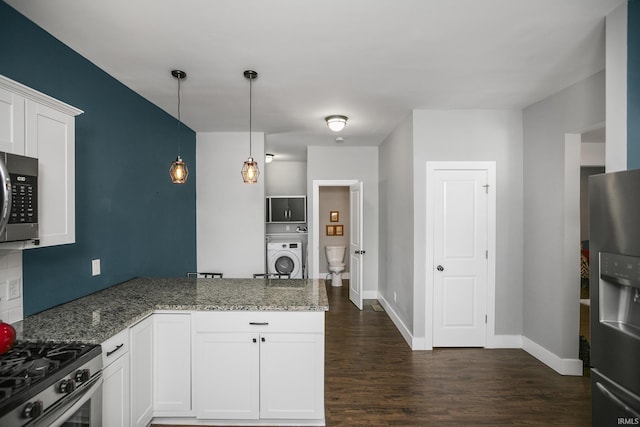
562	366
39	97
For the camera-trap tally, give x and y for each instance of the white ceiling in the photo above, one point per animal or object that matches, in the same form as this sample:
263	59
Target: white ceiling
372	60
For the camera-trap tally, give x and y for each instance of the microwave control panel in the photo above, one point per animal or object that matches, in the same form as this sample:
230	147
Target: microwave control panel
24	199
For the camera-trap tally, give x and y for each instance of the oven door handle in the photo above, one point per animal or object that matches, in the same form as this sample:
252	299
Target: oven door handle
59	415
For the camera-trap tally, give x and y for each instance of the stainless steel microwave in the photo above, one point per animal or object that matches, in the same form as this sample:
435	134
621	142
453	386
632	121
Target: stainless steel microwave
18	198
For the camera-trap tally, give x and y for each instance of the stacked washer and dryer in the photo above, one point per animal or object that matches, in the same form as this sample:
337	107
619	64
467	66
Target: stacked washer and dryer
285	258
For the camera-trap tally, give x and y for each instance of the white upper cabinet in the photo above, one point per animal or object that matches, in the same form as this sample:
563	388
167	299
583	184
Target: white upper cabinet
11	122
36	125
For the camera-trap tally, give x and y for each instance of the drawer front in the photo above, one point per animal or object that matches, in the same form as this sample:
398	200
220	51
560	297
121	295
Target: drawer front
260	321
115	347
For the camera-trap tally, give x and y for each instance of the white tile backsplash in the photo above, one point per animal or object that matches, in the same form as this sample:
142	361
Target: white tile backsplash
11	286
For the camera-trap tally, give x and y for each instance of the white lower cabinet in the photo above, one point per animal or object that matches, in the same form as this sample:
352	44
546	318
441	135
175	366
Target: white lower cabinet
259	365
172	364
141	354
115	375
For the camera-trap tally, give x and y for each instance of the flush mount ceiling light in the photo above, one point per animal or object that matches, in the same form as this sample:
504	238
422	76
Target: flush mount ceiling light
178	170
250	170
268	158
336	123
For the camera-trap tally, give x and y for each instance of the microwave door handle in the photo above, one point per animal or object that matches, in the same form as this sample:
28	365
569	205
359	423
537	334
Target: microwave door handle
5	187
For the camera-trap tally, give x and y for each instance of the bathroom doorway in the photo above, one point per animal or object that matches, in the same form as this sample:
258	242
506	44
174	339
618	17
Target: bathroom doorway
338	219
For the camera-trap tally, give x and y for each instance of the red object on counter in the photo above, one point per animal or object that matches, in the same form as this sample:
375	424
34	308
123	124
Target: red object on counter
7	337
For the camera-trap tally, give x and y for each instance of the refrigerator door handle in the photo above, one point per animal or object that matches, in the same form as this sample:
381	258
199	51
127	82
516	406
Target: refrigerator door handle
615	399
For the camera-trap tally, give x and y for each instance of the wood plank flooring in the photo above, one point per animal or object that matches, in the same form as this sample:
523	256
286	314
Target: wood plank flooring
372	378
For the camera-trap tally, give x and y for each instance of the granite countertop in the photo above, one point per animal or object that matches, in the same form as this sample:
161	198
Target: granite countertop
94	318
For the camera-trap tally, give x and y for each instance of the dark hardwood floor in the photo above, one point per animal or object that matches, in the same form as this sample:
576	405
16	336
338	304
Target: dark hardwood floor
374	379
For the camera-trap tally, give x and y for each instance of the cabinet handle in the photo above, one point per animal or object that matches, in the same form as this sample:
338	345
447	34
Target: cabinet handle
118	347
262	339
255	340
259	323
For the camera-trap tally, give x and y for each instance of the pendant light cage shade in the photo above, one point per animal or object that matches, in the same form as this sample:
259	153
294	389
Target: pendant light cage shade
336	123
250	171
178	171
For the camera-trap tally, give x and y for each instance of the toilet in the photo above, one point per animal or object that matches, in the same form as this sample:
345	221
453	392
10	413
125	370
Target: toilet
335	256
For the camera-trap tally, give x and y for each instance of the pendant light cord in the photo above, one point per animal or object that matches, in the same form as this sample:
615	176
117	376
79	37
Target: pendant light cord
250	97
179	139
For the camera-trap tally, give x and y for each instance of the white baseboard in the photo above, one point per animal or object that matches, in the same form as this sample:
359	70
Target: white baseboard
562	366
404	331
369	294
504	341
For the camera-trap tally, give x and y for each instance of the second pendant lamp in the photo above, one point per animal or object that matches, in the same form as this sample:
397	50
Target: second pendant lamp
250	170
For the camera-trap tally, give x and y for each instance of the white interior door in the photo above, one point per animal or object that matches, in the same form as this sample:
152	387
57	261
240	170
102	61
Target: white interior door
356	251
460	257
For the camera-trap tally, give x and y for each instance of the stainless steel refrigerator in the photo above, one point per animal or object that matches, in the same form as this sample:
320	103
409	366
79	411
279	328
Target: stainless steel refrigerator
614	286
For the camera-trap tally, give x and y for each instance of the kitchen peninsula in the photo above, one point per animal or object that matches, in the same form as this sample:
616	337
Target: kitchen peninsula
201	350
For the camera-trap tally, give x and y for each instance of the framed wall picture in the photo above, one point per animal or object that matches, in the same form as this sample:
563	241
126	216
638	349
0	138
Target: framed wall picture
339	230
334	216
331	230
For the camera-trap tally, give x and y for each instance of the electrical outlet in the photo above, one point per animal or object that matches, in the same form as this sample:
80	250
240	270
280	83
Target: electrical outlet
394	296
95	267
14	289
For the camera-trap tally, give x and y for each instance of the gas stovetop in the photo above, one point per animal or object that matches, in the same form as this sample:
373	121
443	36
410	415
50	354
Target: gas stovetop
29	368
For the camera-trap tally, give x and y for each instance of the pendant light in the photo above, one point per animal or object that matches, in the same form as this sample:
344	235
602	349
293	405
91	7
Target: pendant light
178	170
250	170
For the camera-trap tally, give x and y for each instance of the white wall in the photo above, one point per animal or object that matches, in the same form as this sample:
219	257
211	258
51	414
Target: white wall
230	214
345	163
396	258
474	135
616	89
286	178
551	281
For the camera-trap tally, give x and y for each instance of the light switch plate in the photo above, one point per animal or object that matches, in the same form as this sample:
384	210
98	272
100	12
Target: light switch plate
95	267
14	289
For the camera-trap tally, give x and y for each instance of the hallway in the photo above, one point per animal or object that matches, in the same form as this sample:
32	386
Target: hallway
372	378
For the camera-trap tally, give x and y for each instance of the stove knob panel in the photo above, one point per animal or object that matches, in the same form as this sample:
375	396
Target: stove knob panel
82	375
33	409
66	386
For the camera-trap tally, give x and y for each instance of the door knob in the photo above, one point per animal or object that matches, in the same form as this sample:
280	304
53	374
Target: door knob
360	252
440	268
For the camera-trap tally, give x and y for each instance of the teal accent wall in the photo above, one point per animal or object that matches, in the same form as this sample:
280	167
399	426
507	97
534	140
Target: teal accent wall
128	213
633	85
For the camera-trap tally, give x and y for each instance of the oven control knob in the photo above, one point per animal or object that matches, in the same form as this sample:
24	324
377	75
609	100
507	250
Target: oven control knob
82	375
66	386
33	409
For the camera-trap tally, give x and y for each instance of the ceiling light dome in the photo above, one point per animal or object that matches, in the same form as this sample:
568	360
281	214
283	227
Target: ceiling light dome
336	123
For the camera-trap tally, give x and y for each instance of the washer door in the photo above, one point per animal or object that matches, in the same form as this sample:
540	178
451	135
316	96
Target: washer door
284	262
284	265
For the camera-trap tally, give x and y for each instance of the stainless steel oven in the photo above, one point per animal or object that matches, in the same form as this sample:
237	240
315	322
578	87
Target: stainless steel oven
51	384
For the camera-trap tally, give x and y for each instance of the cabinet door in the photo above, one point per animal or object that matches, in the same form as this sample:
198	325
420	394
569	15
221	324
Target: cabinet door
227	376
171	364
279	209
115	393
297	209
50	137
292	376
11	122
141	354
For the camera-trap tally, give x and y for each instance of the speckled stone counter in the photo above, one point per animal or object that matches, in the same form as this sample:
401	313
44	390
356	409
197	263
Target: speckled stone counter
96	317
